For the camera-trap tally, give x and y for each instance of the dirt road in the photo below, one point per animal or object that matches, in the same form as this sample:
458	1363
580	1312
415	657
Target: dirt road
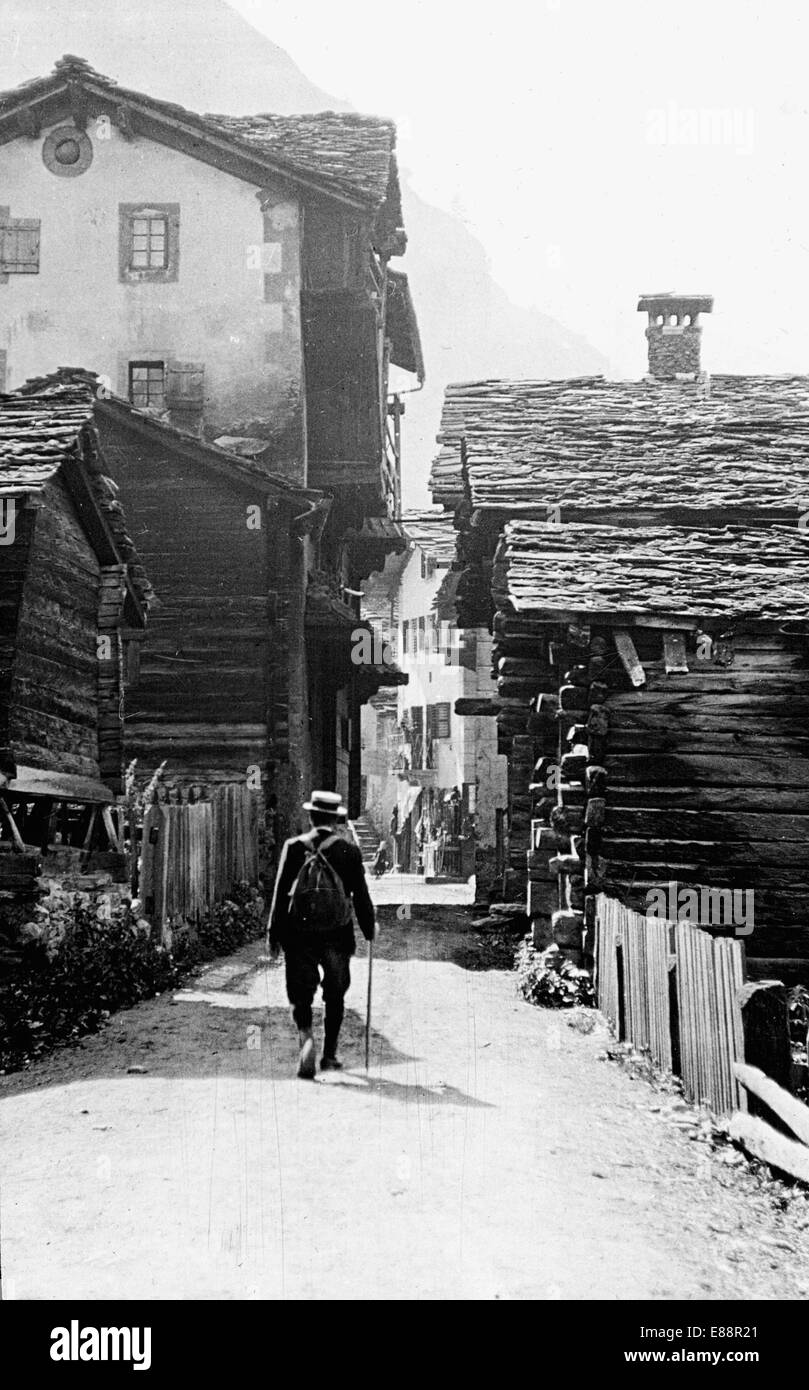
488	1154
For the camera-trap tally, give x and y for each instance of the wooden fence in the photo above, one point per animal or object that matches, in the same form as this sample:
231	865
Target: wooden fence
671	989
193	852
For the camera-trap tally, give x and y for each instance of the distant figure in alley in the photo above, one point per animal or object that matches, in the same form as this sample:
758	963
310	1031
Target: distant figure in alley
320	876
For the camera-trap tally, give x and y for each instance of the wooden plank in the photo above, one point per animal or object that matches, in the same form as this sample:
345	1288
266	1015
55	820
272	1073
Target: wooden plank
787	1107
112	833
35	781
673	823
749	854
674	652
16	837
625	648
716	770
91	825
766	1144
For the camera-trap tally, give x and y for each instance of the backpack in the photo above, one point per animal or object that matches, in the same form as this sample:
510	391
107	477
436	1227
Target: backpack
318	901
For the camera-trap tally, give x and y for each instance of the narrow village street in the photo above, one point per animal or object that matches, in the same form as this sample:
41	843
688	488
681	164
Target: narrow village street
491	1152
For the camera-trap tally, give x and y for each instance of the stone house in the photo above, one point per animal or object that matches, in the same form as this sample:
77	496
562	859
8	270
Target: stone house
244	333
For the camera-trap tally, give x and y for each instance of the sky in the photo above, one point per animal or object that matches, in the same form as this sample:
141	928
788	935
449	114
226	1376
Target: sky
598	149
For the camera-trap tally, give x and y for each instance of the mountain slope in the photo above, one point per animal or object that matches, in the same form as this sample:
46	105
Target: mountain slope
204	55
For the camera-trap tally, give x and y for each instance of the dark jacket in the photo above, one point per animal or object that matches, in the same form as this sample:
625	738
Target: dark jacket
346	859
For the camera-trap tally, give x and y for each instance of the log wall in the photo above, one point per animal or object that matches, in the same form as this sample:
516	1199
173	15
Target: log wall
697	777
201	701
13	568
53	718
708	782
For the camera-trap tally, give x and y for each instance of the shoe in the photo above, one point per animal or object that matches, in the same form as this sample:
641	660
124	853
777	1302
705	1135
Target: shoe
306	1059
330	1064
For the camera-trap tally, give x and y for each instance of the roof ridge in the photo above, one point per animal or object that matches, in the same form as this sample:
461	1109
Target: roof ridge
363	168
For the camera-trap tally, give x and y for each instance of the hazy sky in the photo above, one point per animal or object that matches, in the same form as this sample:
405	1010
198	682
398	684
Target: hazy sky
599	149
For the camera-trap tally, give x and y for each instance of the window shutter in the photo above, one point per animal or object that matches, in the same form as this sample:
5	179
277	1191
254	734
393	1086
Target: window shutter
19	246
185	387
442	720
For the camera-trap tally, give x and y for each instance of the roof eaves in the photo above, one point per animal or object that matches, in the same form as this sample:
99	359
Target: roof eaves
58	85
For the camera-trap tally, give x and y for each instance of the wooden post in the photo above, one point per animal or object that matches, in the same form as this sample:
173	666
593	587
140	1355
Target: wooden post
766	1034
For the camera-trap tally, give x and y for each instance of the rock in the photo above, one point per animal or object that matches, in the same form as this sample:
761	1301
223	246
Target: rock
137	1071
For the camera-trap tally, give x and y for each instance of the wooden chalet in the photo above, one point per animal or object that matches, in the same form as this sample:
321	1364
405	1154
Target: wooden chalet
247	672
638	549
73	600
667	670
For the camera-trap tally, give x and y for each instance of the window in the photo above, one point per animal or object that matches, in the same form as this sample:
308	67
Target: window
442	720
447	642
149	242
147	384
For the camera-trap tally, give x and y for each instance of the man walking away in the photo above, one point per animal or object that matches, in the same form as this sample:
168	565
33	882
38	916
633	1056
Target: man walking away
319	877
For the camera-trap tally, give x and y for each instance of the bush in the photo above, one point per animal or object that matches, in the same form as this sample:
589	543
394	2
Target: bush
77	967
240	918
547	979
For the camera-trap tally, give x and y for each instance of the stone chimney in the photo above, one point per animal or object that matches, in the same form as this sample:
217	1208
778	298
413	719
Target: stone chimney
674	334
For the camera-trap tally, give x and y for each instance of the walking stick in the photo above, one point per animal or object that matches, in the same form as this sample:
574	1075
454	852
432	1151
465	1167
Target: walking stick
368	1007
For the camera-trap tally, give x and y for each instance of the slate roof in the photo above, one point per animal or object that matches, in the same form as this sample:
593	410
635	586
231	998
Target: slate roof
729	444
732	572
343	152
38	433
433	531
352	150
240	466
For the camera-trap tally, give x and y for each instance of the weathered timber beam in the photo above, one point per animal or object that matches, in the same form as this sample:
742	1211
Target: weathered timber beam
625	648
482	707
17	840
766	1144
787	1107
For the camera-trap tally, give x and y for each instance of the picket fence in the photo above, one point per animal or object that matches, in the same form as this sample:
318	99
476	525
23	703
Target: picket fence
193	852
671	989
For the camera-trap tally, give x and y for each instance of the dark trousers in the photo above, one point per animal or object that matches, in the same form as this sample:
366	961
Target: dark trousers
304	961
